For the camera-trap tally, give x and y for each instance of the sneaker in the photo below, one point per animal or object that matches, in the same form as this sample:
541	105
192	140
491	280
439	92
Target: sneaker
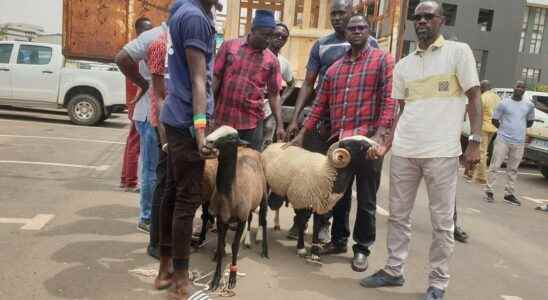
144	226
489	197
434	294
460	235
332	248
511	199
543	208
381	279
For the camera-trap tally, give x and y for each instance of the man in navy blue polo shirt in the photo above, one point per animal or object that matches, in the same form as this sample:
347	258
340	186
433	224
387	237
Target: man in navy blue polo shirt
188	104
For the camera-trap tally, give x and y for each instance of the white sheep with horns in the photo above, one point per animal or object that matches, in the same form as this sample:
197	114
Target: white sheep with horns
313	182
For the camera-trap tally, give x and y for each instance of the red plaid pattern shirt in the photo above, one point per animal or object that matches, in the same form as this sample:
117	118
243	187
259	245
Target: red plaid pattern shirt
356	95
245	74
156	65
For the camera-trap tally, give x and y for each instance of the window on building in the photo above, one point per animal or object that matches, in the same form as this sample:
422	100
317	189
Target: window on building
34	55
485	19
5	53
539	17
450	13
481	62
411	9
409	47
524	26
530	75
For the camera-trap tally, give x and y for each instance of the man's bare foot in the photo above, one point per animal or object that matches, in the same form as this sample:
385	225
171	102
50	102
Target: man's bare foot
163	281
188	291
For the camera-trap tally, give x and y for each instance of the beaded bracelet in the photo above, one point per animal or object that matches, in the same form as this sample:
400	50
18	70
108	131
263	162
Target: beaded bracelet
200	121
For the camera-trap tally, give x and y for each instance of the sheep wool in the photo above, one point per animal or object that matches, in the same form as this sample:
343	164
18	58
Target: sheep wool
305	178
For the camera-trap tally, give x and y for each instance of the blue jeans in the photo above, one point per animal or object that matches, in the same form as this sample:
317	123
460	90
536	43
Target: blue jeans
148	156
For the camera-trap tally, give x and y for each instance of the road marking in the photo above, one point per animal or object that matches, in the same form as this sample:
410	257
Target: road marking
473	210
61	139
530	174
96	168
36	223
65	125
505	297
381	211
537	201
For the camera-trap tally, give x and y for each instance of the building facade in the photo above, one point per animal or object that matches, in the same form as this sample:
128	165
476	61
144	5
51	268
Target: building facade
507	37
20	31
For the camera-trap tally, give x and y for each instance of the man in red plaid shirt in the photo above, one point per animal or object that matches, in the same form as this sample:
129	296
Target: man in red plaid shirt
244	69
356	94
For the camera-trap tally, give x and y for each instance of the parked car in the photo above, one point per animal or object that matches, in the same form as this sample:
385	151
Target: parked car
37	75
536	148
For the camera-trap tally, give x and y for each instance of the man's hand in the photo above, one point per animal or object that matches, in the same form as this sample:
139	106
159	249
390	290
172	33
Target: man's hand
140	93
280	133
377	151
471	155
205	152
297	141
292	129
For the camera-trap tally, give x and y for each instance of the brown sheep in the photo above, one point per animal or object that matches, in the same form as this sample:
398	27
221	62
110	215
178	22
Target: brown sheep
240	187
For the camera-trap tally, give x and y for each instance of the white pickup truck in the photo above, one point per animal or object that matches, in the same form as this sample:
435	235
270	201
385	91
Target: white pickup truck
37	75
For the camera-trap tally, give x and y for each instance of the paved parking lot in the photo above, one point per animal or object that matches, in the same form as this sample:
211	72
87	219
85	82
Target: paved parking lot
68	232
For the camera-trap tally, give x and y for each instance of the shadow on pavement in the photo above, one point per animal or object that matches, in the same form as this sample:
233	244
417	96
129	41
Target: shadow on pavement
101	271
114	211
93	226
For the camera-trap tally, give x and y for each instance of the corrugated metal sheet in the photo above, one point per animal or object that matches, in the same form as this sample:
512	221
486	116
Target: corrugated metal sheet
98	29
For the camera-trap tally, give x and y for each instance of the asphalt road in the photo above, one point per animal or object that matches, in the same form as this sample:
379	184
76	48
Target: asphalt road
68	232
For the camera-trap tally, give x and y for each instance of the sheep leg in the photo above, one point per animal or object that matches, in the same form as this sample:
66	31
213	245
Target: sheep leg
302	218
235	249
262	221
205	219
247	233
277	220
315	249
221	233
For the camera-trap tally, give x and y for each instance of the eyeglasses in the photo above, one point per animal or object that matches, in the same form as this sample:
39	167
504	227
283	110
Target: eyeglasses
357	28
427	17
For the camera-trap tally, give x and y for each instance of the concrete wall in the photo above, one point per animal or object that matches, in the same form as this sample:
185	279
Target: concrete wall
501	42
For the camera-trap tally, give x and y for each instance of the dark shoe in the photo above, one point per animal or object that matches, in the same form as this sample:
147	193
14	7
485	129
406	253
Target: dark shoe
489	197
511	199
153	251
460	235
331	248
359	262
144	226
380	279
434	294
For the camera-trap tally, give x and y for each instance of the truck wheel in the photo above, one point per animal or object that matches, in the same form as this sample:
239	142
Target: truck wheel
544	171
85	109
106	115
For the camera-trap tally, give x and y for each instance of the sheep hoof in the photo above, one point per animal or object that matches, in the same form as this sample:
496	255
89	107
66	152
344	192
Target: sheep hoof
247	241
232	280
277	228
302	252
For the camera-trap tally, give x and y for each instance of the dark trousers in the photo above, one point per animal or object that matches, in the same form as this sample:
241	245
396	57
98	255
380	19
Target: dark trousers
185	173
367	176
161	178
253	136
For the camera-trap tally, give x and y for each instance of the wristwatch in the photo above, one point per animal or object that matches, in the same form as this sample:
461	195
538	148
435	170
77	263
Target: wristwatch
474	138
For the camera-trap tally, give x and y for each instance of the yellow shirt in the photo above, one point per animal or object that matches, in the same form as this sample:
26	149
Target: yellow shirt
489	101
